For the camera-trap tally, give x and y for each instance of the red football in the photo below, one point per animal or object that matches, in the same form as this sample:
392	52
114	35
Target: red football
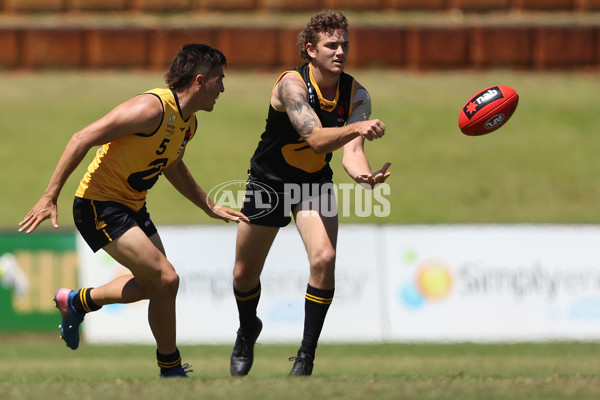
488	110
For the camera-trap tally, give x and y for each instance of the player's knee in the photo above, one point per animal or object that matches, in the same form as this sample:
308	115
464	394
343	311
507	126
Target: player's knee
163	280
169	282
244	277
323	263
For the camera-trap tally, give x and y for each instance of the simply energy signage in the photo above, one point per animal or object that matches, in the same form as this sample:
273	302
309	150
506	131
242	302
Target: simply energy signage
393	283
493	283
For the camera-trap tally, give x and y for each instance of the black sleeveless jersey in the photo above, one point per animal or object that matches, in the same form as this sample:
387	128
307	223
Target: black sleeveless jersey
282	155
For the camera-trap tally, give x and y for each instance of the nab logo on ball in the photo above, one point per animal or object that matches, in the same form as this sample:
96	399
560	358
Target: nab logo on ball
488	110
481	100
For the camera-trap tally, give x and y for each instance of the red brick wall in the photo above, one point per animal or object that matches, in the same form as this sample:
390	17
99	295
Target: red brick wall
292	5
415	47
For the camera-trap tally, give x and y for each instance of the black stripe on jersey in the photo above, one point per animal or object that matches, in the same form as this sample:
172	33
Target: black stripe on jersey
161	120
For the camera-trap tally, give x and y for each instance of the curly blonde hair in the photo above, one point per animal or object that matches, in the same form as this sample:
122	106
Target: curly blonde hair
323	22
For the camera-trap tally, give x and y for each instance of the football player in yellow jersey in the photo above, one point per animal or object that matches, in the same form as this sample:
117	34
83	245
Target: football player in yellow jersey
314	110
141	139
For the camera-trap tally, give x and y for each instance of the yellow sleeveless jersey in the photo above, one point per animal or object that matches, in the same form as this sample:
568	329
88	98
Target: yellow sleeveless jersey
124	169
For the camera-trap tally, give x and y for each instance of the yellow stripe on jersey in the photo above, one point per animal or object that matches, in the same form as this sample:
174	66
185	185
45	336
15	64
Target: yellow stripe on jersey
320	300
327	105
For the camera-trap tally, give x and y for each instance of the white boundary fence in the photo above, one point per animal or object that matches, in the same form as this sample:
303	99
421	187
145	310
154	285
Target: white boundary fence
446	283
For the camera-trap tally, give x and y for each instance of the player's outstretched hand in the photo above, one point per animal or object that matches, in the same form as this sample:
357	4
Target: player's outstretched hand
227	214
43	210
375	178
371	129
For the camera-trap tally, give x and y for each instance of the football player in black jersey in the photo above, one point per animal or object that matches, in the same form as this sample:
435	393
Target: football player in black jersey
314	110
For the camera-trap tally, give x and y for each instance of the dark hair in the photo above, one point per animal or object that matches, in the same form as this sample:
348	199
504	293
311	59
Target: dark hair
323	22
192	59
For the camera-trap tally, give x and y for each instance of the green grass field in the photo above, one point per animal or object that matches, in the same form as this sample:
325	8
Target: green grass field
41	367
539	168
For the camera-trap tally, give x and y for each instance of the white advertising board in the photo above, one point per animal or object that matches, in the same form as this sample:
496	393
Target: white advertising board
493	283
393	283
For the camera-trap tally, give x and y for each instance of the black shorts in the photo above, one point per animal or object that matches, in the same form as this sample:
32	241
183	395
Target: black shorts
271	204
100	222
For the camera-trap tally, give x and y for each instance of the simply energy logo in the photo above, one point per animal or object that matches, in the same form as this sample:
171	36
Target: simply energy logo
533	280
432	282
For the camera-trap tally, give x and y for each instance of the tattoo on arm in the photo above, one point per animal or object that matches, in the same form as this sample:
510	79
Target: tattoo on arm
302	116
